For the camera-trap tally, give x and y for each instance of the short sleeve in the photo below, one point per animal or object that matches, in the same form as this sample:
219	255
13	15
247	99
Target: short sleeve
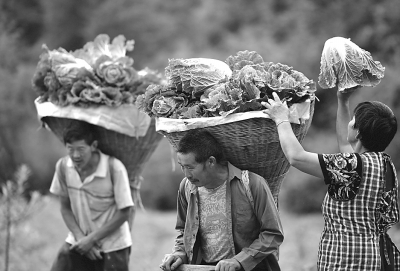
59	184
122	190
342	173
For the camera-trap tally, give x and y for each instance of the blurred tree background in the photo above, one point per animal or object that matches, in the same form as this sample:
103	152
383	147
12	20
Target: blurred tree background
291	32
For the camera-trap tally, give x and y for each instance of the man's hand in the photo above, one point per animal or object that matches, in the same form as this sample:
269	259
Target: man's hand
171	262
84	245
94	254
228	265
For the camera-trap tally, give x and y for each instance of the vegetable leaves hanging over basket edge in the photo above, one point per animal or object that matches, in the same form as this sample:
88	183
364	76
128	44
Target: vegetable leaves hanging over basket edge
100	73
198	88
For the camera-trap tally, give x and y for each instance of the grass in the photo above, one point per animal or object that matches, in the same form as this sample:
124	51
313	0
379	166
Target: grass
36	242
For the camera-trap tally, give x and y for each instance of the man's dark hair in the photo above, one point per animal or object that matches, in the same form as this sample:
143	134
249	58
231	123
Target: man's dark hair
202	144
376	123
79	130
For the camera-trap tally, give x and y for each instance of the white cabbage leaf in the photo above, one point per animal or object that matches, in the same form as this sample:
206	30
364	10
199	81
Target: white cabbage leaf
345	62
195	75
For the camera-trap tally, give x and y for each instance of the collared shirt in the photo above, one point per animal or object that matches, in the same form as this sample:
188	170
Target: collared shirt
96	200
255	231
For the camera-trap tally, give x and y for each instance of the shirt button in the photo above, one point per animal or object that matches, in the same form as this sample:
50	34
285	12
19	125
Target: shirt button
197	218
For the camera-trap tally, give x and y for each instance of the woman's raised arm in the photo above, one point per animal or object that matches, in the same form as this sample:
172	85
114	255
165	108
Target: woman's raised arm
299	158
342	120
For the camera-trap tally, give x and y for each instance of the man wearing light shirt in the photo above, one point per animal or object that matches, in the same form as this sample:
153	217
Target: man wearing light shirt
95	202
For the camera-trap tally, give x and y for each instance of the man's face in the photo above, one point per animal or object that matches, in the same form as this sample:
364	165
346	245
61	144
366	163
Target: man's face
197	173
80	152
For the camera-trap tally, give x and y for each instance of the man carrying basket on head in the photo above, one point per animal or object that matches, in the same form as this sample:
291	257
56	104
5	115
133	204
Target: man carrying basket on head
96	84
226	217
95	205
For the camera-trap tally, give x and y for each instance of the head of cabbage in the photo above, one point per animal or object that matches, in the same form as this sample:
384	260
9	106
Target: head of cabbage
346	64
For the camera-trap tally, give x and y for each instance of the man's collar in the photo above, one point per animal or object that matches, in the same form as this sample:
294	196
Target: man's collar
102	167
232	173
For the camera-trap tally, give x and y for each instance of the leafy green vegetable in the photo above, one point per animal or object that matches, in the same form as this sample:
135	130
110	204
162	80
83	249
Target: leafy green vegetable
194	75
345	62
212	89
98	74
243	58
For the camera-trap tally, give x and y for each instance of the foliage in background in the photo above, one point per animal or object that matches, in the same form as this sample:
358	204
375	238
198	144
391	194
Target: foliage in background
286	31
11	116
16	206
162	175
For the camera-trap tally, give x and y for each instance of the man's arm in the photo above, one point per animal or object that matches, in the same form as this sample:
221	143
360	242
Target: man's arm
178	256
181	217
89	241
59	187
69	218
90	251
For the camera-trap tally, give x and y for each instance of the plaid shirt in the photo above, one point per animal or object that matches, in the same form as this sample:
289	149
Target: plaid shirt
357	212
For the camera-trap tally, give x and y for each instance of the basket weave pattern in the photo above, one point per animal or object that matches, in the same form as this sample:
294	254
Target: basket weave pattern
133	152
253	144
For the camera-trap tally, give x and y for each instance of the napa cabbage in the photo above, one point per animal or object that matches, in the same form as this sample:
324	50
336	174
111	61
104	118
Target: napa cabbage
346	64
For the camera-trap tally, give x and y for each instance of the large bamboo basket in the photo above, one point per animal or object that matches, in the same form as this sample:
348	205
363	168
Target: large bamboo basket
122	132
133	152
249	144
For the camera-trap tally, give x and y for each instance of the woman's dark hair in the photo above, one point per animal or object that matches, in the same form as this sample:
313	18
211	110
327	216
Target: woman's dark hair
376	123
79	130
202	144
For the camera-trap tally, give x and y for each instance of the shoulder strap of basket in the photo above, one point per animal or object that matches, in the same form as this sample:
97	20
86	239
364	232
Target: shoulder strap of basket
187	191
111	168
246	183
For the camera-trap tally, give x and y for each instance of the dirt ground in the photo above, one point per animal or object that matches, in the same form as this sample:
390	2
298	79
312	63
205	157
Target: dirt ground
35	243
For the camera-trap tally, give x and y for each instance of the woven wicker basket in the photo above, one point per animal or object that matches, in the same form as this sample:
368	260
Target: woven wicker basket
133	152
252	144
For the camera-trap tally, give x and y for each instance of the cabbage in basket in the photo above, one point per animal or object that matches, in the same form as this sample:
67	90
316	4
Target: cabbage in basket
198	89
98	74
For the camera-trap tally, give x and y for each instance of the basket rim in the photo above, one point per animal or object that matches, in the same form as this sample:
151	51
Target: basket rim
299	114
125	119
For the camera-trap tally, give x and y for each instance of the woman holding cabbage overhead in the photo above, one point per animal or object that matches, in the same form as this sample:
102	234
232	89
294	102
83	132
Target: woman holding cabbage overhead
361	203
